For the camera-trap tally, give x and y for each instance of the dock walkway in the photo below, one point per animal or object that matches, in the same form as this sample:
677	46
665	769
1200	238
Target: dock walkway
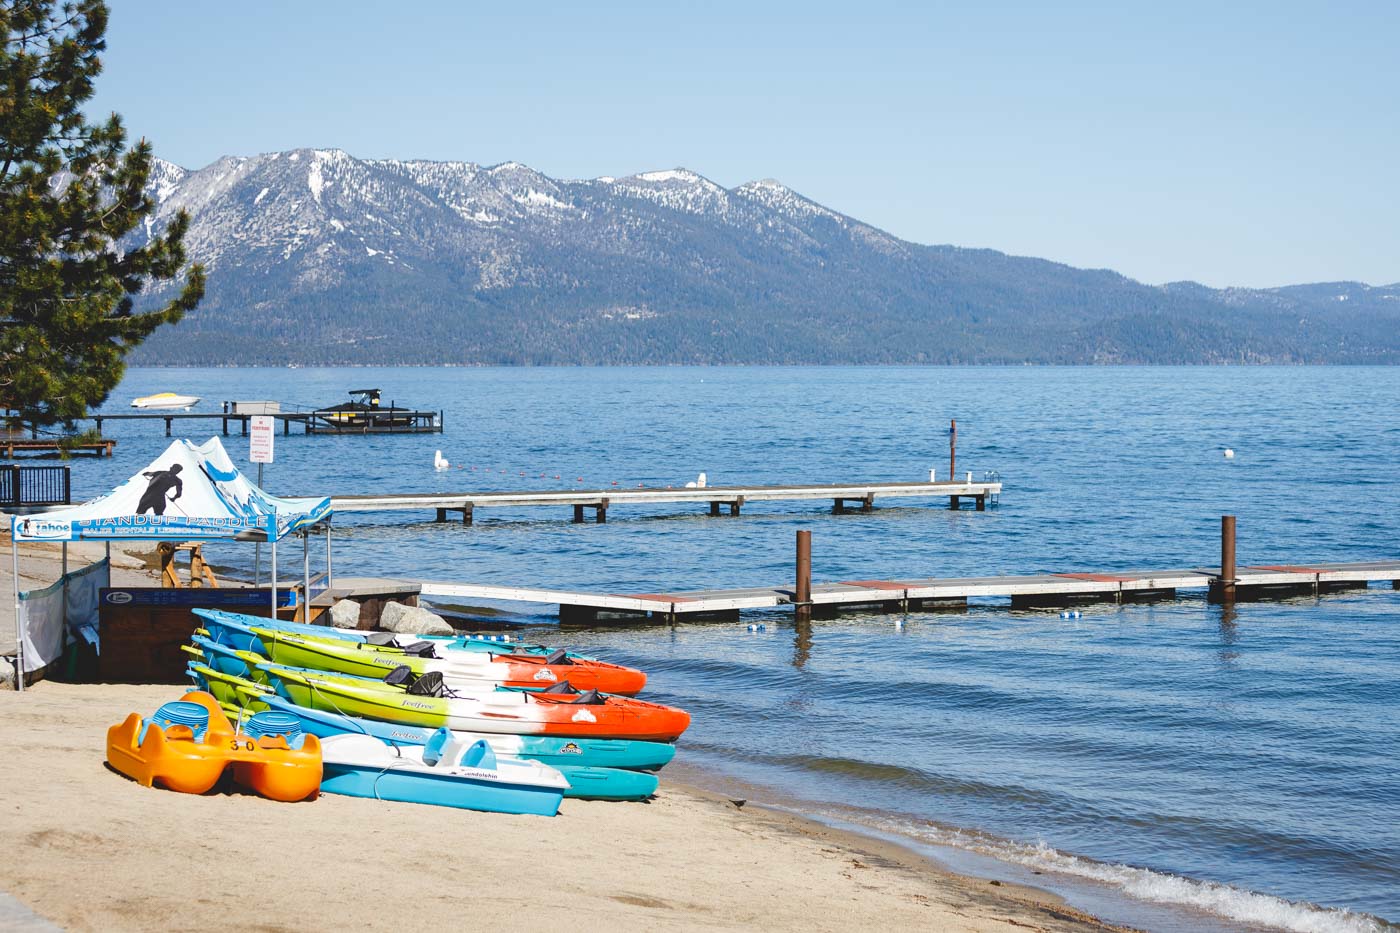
844	496
1024	591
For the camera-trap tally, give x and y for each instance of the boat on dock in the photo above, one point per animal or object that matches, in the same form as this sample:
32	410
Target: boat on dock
166	401
364	412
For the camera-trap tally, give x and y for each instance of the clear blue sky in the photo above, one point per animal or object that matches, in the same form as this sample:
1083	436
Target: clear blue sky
1234	144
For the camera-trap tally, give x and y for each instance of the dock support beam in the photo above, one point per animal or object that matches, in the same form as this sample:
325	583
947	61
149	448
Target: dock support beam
714	509
802	593
167	426
578	515
736	505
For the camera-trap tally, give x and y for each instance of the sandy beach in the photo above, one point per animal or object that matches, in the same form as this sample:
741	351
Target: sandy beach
89	849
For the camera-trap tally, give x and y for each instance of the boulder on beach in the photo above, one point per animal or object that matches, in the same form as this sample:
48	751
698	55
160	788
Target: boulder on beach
412	620
345	614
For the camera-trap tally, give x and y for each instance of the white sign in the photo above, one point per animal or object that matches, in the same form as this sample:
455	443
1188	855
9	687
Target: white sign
260	439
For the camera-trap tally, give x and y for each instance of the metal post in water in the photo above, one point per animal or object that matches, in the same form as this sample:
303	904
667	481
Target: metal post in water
1227	559
802	596
953	451
329	580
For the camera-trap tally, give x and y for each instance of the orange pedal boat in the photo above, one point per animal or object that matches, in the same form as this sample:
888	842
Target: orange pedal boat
191	759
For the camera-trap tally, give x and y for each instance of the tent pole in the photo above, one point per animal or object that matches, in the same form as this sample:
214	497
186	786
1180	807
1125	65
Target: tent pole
272	571
306	576
65	594
19	625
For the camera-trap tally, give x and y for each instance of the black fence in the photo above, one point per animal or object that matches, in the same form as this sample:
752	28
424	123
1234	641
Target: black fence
22	486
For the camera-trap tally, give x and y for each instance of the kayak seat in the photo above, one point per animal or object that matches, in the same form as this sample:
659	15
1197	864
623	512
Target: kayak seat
380	639
437	743
557	656
428	685
590	698
562	686
420	649
400	676
479	756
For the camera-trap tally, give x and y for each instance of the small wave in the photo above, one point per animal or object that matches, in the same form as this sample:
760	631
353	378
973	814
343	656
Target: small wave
1223	900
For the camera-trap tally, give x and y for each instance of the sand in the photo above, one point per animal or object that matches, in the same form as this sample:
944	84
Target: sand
91	850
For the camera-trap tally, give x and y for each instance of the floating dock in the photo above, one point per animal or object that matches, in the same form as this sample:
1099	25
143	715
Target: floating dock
933	593
843	496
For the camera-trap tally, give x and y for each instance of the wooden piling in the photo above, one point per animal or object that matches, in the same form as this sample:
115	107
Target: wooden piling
578	515
802	594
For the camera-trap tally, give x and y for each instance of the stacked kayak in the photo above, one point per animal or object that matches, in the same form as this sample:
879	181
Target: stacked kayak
596	769
460	665
409	716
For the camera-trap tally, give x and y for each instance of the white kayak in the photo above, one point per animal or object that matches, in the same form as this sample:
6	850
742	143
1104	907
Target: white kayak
166	400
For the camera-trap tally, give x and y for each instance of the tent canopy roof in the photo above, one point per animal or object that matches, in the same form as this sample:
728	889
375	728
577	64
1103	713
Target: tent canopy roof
188	493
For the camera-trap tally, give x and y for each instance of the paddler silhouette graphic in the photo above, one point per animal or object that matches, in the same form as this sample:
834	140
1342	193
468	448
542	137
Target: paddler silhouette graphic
161	482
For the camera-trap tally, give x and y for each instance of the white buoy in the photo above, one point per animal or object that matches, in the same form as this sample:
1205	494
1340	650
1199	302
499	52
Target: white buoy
700	482
1229	453
933	476
440	462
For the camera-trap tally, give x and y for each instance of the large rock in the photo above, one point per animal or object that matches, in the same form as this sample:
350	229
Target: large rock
345	614
411	620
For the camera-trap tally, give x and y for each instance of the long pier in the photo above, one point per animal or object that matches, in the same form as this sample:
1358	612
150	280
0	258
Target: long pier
843	496
413	422
1027	591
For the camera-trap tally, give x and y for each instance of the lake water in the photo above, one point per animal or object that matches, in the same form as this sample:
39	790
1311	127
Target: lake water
1237	768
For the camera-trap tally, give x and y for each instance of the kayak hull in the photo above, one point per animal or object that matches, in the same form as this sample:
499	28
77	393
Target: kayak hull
511	713
362	766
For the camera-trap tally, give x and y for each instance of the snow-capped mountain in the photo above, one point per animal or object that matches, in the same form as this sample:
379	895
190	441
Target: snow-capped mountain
316	256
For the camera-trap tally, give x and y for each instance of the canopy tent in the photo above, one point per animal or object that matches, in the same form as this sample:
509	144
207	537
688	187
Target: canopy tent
188	493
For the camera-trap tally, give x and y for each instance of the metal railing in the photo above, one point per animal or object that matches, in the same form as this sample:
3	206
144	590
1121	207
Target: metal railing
22	486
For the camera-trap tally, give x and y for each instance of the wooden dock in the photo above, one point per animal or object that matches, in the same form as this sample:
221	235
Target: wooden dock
843	496
1028	591
102	447
417	422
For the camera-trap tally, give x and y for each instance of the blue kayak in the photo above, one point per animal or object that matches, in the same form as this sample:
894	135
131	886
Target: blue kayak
597	769
232	628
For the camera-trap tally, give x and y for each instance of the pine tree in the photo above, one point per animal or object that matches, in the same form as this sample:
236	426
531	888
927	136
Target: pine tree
70	192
